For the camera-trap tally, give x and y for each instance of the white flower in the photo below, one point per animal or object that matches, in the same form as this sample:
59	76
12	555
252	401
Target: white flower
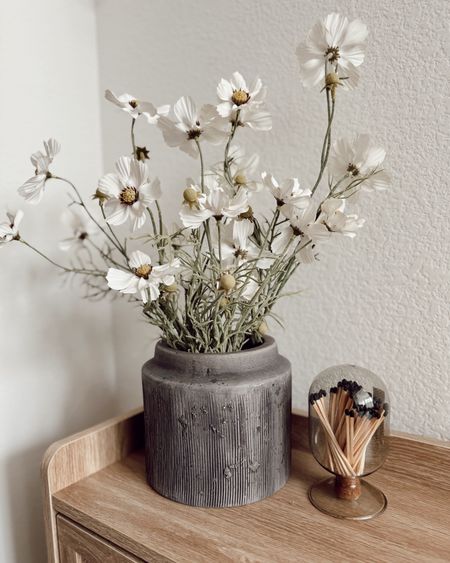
240	249
136	108
218	203
302	229
235	94
81	229
129	192
335	220
144	278
33	189
9	230
253	117
242	169
289	196
358	159
191	126
339	42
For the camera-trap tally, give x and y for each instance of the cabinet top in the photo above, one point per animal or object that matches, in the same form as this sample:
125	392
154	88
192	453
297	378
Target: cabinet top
108	495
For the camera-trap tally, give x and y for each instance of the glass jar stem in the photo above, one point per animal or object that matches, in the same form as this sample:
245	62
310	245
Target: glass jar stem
348	488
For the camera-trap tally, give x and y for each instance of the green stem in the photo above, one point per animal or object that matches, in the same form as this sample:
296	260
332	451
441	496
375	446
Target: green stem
118	244
219	243
226	169
202	183
133	140
105	256
64	268
326	144
91	217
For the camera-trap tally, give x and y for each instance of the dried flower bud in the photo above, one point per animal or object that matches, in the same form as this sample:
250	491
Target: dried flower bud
190	195
332	81
240	180
263	329
172	288
223	303
227	282
142	153
99	195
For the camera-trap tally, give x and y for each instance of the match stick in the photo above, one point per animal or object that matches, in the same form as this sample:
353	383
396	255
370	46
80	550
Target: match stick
349	419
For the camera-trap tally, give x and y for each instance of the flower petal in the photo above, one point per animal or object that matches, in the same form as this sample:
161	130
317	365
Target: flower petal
126	282
116	213
110	185
139	258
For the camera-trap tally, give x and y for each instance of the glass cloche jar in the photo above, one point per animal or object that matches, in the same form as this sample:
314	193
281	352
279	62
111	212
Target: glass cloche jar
348	434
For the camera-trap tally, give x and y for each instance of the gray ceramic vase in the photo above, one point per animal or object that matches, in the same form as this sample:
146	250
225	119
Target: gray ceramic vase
217	426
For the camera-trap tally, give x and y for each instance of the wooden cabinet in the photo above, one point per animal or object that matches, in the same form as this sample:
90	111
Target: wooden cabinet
99	508
77	545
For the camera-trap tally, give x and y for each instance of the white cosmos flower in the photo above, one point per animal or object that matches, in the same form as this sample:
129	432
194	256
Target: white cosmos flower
255	118
236	95
338	41
144	278
191	126
240	249
10	229
302	228
218	203
80	227
137	108
129	192
243	169
290	197
33	189
335	220
358	159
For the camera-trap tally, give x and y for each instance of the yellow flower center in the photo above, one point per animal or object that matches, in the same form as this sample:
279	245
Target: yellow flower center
240	179
143	271
129	195
240	97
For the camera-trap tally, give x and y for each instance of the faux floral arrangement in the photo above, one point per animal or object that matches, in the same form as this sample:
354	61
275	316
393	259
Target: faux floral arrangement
212	282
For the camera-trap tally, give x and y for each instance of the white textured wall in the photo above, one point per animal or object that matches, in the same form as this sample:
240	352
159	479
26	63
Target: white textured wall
381	300
56	368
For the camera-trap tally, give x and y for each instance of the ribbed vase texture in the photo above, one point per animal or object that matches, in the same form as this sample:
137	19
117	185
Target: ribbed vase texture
217	426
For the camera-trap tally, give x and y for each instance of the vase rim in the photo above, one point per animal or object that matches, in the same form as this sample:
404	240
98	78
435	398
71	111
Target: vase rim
249	359
268	342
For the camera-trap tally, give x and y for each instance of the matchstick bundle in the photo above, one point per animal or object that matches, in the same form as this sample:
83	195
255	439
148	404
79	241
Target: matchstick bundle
350	417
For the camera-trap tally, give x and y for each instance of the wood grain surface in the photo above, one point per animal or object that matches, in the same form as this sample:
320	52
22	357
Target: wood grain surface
76	545
74	458
117	504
